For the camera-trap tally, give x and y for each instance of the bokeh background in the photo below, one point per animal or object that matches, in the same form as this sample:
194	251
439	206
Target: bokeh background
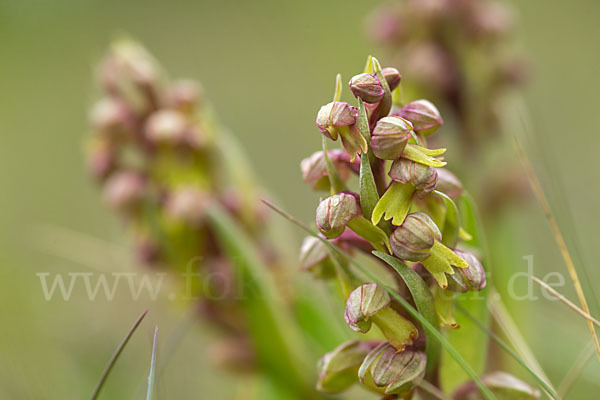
266	65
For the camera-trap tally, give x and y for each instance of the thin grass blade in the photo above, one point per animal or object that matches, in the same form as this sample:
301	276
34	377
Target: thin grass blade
116	355
152	374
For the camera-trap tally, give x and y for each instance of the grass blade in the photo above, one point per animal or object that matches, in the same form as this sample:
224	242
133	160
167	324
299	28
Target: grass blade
426	325
508	326
506	348
116	355
539	193
151	374
576	370
566	301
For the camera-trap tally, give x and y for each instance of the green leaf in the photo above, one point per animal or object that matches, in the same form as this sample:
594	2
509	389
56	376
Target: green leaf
335	182
423	300
451	221
278	344
368	189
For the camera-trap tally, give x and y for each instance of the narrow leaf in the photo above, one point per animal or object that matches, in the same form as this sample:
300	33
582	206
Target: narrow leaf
506	348
368	189
116	355
151	374
451	223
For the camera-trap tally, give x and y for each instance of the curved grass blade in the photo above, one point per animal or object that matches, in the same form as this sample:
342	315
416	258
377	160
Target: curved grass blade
151	374
514	355
116	355
560	240
282	353
508	326
423	300
487	394
575	372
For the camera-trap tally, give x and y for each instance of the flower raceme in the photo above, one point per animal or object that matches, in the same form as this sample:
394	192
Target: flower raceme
405	205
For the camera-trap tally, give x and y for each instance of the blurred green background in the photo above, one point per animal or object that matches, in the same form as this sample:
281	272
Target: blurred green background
266	65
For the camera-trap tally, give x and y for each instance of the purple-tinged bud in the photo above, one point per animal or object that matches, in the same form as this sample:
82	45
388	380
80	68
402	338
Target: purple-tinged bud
124	190
392	77
339	119
338	369
367	87
185	95
392	372
448	183
132	74
334	213
364	302
491	19
413	239
314	257
501	384
390	136
423	115
466	279
386	25
335	115
188	205
314	168
422	177
146	250
101	159
166	127
431	65
111	117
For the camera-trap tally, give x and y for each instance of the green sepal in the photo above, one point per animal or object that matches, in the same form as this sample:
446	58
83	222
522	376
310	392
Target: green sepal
423	155
444	306
440	263
398	331
374	234
394	204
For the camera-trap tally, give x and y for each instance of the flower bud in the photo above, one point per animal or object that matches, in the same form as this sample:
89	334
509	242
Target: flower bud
124	190
423	115
501	384
187	204
334	213
101	159
184	95
339	119
314	257
131	73
364	302
367	87
392	77
335	115
166	126
314	168
338	369
111	117
422	177
390	136
392	372
448	183
417	234
465	279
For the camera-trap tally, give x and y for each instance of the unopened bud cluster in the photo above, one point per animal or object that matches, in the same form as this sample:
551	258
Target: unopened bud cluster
457	52
158	156
409	211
